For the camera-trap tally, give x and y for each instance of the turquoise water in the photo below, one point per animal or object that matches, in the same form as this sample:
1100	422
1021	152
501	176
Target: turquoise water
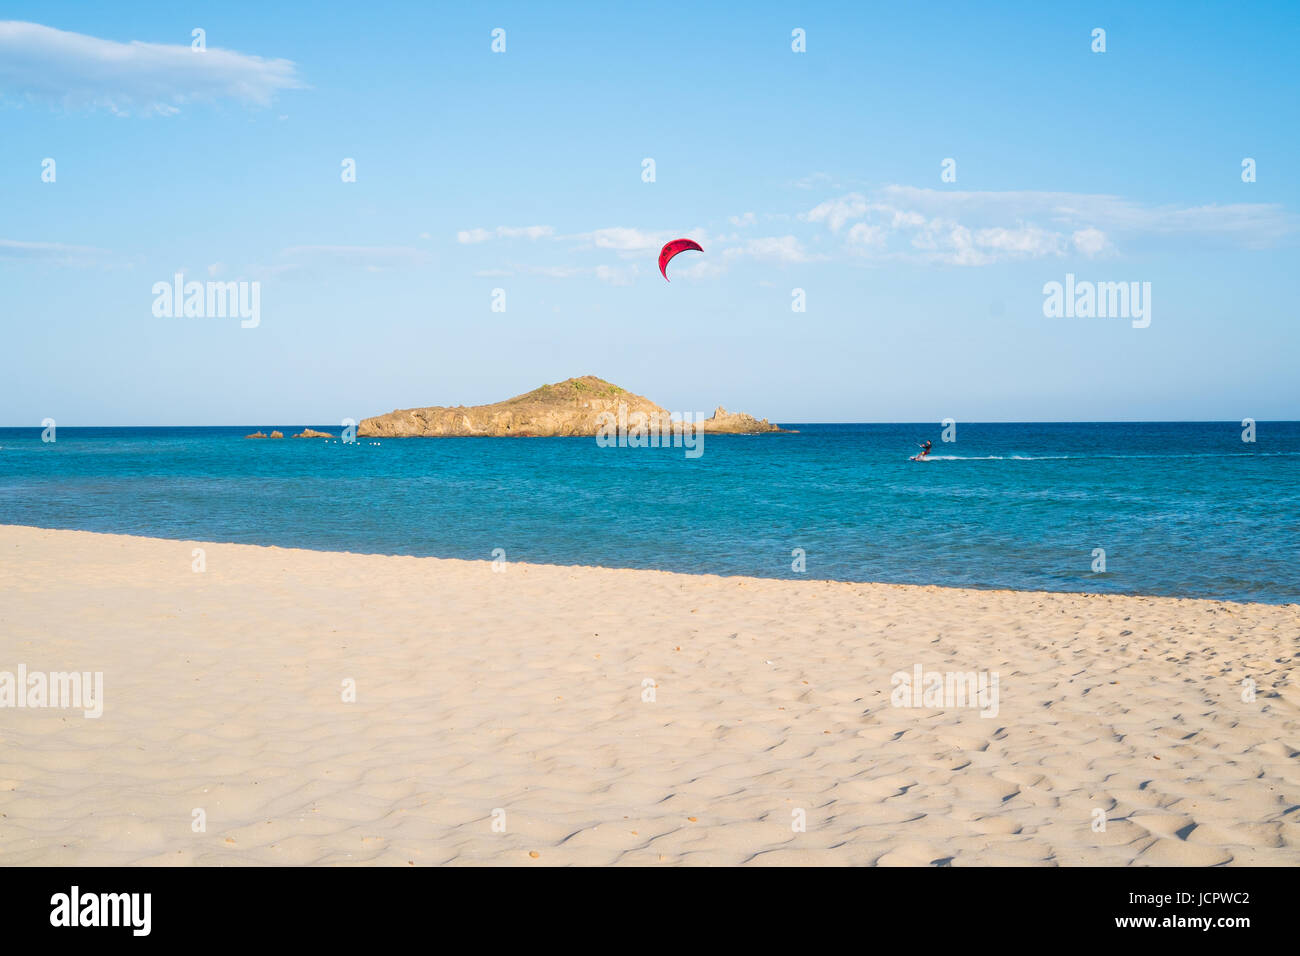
1183	509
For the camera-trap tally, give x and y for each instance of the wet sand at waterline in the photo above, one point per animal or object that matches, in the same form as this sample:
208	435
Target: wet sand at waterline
519	701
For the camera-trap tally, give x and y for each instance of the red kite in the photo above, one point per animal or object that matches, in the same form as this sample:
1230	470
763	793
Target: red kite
671	249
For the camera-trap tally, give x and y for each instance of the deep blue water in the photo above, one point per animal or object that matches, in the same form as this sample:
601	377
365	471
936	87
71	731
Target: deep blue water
1183	509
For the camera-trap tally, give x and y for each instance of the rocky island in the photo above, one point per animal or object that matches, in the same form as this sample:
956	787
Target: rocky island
569	408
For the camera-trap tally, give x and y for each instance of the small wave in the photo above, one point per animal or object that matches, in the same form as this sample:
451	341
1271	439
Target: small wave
1001	457
1235	454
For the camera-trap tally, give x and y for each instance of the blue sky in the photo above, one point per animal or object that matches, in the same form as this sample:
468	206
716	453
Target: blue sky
522	171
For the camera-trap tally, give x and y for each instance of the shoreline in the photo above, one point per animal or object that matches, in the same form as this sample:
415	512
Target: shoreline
771	703
687	574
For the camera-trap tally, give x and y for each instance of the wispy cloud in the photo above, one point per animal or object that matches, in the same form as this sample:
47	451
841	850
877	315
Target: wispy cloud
618	275
1249	222
981	228
911	224
776	248
836	212
309	259
555	272
524	232
392	254
56	252
614	275
816	181
638	247
77	71
468	237
623	239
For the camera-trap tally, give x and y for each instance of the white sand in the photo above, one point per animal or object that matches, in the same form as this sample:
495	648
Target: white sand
522	691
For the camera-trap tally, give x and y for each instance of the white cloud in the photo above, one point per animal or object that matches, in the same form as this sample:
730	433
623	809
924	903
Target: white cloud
748	219
862	236
948	241
77	71
1021	241
836	212
903	219
471	236
1090	242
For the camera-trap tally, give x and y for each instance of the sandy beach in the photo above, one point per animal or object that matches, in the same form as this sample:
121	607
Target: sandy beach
543	715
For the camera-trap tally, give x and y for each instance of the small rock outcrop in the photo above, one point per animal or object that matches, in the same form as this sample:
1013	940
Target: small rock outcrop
312	433
277	434
724	422
256	435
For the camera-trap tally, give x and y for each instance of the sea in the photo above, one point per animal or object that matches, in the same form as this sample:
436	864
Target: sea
1186	509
